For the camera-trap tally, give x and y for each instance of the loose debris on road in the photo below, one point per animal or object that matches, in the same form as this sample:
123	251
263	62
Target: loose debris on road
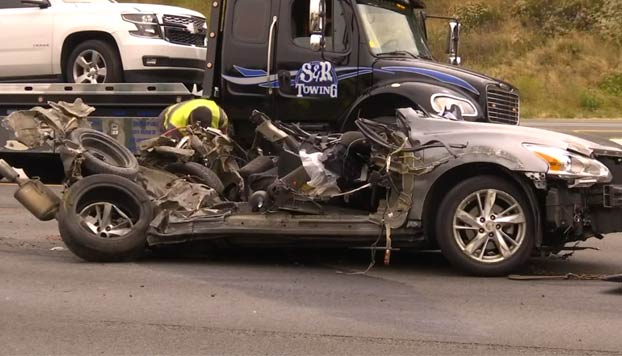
567	276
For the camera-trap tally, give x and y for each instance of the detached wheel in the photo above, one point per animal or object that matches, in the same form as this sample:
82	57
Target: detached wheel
103	154
197	173
94	62
104	218
485	226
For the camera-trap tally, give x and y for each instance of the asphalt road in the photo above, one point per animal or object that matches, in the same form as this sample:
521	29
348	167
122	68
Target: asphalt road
604	128
294	302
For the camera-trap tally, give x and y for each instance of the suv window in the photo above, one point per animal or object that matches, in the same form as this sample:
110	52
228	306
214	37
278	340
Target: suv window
335	31
14	4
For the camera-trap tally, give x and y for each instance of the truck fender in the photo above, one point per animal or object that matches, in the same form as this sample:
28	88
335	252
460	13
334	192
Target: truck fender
399	95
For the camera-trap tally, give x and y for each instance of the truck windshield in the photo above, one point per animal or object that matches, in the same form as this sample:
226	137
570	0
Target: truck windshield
392	28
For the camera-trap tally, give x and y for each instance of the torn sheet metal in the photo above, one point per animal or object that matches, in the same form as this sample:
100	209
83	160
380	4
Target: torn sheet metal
170	192
33	127
178	200
25	127
205	146
219	150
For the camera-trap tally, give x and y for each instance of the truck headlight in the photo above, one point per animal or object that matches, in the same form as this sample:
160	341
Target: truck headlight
442	101
146	25
571	166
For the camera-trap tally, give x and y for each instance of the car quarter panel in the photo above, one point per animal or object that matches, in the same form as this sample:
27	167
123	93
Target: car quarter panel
468	162
464	144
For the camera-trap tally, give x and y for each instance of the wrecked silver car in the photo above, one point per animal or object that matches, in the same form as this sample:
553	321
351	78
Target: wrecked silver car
489	196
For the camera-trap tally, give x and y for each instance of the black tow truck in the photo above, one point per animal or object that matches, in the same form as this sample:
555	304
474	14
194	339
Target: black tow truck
322	63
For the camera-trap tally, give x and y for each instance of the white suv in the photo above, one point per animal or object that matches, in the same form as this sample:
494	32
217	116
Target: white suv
100	41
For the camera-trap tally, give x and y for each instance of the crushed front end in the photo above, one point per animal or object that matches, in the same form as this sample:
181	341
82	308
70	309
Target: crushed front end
576	209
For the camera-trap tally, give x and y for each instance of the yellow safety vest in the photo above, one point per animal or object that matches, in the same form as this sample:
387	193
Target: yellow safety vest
178	115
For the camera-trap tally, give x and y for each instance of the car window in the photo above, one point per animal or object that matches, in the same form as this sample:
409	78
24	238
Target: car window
14	4
336	34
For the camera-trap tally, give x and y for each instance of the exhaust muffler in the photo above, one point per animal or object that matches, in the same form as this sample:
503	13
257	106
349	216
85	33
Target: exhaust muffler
32	194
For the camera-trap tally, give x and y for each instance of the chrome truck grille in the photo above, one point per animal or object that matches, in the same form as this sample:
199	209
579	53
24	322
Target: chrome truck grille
503	105
184	30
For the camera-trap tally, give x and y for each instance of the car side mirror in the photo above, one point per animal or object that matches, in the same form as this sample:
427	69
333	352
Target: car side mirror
453	113
453	42
42	4
316	24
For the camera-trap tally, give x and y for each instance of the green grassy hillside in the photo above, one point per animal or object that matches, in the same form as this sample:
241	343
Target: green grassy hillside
564	55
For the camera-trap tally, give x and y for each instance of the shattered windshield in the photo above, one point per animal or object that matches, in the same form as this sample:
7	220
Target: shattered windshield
391	28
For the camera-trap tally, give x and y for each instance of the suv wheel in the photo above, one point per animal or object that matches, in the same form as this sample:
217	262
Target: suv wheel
485	226
93	62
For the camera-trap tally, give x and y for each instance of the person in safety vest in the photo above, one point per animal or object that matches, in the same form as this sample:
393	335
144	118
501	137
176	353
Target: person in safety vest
206	113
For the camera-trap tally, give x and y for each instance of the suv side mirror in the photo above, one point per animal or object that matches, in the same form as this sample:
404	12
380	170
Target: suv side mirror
42	4
316	24
453	42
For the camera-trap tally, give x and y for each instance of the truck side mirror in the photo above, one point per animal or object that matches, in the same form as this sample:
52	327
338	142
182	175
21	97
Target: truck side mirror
316	24
42	4
453	42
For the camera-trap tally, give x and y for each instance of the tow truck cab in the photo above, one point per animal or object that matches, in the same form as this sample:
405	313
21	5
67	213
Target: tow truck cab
325	62
322	63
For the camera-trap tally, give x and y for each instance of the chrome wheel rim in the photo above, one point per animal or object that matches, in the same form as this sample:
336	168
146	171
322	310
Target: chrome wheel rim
489	226
106	220
90	67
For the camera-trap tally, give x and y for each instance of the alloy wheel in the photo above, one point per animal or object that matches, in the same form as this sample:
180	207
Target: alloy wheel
106	220
90	67
489	226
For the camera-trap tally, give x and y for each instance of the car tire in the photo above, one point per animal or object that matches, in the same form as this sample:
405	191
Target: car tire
485	226
197	173
103	154
116	202
94	61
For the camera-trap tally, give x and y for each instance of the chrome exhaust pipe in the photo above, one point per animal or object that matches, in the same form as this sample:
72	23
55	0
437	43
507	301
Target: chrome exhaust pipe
40	200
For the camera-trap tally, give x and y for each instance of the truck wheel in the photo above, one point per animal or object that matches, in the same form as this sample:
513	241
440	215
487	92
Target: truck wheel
197	173
93	62
103	154
485	226
104	218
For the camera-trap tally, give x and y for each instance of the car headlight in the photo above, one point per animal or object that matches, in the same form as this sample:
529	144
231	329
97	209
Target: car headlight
571	166
146	25
440	102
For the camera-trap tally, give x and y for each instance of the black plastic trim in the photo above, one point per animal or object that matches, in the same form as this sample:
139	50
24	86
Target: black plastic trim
186	76
162	61
57	78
